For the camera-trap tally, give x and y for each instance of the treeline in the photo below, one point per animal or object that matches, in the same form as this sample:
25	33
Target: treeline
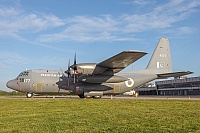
13	93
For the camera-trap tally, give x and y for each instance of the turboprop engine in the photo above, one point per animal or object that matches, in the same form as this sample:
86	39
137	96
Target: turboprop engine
89	68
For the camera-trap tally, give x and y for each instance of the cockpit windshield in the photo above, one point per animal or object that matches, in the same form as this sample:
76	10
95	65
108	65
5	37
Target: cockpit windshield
22	74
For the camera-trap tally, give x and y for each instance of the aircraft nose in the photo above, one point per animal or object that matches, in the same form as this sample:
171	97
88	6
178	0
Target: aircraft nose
11	84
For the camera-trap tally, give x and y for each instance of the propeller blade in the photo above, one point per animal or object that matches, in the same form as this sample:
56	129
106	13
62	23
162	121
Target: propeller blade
59	76
68	71
75	67
75	59
59	82
58	89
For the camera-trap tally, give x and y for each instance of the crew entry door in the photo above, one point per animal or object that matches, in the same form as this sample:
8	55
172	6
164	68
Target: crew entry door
39	87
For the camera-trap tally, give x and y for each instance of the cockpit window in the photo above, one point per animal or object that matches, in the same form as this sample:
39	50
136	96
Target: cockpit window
23	74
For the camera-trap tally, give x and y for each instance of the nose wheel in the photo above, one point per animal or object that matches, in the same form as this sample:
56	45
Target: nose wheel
29	95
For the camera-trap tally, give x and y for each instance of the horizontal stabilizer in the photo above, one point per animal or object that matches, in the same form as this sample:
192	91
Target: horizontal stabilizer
175	74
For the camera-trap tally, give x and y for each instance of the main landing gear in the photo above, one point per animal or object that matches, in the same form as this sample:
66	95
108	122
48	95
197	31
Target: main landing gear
81	96
95	97
29	95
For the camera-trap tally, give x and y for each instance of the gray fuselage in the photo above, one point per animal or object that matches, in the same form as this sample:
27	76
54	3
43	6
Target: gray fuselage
54	82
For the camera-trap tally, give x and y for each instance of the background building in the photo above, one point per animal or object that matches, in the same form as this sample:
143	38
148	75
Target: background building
186	86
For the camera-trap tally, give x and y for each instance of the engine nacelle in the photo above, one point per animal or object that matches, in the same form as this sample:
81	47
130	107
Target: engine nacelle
90	68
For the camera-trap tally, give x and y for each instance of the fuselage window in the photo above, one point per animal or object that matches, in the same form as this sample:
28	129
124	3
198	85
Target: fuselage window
21	79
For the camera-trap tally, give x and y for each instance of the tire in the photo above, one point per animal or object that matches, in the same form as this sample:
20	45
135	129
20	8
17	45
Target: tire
81	96
29	95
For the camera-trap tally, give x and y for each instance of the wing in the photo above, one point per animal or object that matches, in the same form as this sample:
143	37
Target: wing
121	60
175	74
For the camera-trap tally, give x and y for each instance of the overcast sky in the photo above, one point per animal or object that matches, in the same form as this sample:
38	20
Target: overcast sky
45	34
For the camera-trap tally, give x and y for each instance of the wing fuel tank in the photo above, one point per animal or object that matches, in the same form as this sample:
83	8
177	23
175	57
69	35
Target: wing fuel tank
102	79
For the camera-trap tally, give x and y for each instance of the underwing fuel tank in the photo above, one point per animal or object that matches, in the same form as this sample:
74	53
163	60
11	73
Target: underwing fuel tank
102	79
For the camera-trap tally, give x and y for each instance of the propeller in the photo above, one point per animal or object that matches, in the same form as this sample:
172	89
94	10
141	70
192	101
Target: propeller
68	72
75	68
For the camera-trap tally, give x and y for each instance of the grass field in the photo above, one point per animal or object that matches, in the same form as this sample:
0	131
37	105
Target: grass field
99	115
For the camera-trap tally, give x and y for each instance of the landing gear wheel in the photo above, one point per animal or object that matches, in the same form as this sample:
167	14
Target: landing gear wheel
81	96
29	95
96	97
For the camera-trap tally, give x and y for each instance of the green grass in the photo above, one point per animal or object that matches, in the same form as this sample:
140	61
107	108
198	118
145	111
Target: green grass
99	115
13	93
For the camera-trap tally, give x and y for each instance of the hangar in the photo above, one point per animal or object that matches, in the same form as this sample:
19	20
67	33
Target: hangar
186	86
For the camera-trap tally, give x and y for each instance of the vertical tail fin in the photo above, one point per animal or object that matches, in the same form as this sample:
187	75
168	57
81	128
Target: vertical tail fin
160	61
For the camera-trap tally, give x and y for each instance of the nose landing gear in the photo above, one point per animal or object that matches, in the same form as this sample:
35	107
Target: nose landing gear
29	95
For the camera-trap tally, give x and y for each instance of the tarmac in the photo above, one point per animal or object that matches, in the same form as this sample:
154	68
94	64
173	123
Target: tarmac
152	97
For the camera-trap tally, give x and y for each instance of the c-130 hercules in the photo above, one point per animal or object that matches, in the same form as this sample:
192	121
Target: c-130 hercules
98	79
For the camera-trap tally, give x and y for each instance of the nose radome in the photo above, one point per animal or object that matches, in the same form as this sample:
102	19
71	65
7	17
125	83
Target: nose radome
11	84
8	84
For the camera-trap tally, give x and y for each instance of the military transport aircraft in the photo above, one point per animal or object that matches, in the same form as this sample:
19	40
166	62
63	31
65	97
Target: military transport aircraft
98	79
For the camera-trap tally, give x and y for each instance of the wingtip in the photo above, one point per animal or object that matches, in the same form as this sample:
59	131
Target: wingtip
133	51
189	72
